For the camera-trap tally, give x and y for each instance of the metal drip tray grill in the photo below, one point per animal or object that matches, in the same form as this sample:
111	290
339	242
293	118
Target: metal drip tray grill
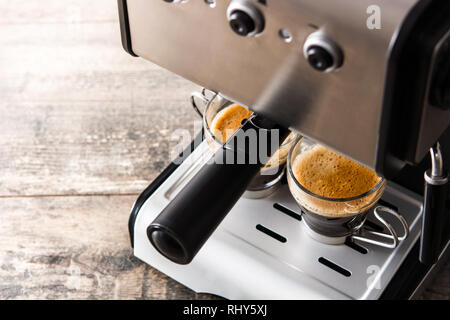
262	249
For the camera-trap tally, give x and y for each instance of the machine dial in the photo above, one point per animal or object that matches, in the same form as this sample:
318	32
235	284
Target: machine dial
245	18
322	53
319	58
241	23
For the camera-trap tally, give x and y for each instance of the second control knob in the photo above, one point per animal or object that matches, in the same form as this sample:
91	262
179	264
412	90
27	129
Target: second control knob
319	58
241	23
322	53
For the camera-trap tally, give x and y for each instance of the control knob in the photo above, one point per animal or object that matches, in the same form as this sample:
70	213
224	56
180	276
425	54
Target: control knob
245	18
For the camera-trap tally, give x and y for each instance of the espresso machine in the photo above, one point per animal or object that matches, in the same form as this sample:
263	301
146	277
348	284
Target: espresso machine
369	79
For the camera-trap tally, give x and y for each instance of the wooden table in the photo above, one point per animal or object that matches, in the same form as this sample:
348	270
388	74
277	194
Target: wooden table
84	129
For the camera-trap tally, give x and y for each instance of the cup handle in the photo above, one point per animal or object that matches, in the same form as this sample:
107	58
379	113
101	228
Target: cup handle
392	235
202	96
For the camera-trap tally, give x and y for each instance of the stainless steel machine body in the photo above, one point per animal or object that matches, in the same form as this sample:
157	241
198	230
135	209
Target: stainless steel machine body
344	107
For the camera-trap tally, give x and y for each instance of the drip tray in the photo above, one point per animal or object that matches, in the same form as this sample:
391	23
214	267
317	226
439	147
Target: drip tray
262	249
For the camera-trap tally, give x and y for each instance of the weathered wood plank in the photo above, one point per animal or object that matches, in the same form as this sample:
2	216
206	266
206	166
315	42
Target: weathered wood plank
75	248
57	11
83	116
86	148
86	68
84	62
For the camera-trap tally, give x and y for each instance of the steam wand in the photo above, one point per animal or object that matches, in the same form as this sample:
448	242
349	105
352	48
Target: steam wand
436	188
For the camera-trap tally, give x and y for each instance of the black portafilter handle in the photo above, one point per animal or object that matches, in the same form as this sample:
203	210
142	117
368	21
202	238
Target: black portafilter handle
434	209
185	224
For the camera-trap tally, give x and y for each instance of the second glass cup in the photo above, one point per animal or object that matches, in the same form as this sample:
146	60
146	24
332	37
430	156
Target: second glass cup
332	219
270	175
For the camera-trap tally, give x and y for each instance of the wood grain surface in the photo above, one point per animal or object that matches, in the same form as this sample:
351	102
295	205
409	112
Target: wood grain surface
84	128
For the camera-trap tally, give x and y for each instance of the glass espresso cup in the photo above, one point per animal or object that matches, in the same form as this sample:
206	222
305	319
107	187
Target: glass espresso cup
263	184
332	220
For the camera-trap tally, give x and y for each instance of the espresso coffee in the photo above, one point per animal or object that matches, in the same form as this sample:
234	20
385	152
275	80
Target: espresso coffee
336	195
327	174
331	175
228	121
